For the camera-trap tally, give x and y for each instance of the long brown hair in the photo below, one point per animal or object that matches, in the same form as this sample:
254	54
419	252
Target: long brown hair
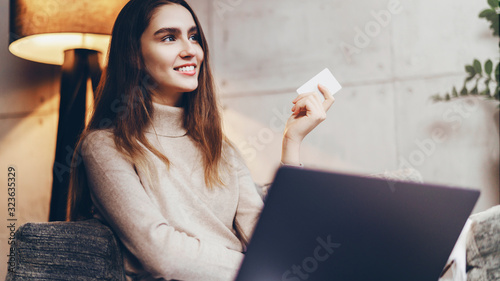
123	104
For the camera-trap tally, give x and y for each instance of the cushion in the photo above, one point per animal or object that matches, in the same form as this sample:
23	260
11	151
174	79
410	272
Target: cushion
84	250
483	246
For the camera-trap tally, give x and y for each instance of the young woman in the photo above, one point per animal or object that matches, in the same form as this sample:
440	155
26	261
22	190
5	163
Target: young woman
156	165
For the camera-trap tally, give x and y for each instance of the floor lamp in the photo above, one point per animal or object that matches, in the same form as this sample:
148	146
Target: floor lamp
73	34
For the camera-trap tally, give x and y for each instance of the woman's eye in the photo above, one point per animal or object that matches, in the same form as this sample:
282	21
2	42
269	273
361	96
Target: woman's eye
168	38
193	37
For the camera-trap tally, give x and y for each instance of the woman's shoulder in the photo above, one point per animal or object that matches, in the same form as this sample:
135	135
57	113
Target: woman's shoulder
97	138
100	134
99	145
229	149
233	155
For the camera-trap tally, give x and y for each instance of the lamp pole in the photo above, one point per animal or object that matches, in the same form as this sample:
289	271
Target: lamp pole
79	65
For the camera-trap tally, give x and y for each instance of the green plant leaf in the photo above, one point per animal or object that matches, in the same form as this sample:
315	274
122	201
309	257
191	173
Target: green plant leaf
487	83
454	92
470	69
495	27
436	98
485	92
492	16
488	67
477	67
493	3
497	73
474	91
464	91
487	13
494	19
488	93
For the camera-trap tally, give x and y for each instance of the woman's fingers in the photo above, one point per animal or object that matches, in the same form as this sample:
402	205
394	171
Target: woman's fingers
326	104
329	99
311	95
309	106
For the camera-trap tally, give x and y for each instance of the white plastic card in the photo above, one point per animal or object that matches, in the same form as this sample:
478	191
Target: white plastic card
324	78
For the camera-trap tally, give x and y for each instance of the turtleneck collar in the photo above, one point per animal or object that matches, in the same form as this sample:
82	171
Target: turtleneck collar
167	121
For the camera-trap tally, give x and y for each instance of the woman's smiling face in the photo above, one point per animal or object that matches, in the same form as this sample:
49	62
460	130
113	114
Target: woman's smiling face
172	53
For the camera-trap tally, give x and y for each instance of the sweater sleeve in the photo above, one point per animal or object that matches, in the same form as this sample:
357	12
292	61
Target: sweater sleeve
250	203
120	198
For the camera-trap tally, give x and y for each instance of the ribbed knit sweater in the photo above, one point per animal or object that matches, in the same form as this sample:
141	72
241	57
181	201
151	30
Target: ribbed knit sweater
180	229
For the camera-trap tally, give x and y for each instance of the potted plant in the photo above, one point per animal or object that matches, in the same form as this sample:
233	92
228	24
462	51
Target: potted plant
480	75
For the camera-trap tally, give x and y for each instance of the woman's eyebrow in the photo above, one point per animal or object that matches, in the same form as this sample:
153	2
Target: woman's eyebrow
174	30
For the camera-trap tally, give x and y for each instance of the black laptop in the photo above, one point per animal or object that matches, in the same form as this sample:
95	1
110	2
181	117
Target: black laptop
326	226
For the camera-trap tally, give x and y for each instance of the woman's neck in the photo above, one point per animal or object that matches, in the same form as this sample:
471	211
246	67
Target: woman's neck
167	121
170	99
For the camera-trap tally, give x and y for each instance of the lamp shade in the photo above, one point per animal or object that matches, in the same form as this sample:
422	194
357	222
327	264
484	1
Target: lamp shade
41	30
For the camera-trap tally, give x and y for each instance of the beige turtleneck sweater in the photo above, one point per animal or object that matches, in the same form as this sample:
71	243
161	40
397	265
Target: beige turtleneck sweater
179	229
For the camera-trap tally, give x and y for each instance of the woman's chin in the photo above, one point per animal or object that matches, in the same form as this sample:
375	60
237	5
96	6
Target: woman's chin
189	89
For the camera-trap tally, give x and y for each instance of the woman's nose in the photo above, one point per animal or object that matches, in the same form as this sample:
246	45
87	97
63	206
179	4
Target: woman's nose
188	50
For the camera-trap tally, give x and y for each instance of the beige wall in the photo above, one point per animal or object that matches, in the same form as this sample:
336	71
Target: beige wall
262	51
28	122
